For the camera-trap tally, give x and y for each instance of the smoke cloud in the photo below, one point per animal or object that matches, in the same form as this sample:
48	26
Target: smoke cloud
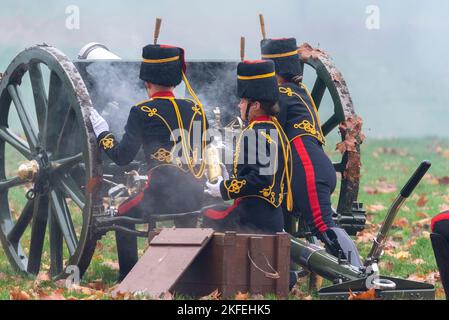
397	74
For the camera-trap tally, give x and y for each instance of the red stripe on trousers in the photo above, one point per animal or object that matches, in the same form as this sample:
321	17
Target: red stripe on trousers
440	217
218	215
129	204
311	184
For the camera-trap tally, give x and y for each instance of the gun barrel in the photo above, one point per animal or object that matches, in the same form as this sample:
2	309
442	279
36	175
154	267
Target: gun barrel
317	260
96	51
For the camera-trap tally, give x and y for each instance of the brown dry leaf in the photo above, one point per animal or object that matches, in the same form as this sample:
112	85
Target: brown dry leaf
443	180
351	144
401	223
444	207
55	295
422	201
370	190
3	276
111	264
98	285
439	293
393	151
398	237
341	147
418	261
41	277
241	296
215	295
367	295
297	293
306	51
166	296
60	283
422	215
444	153
82	290
364	237
433	277
386	265
401	255
383	187
17	294
91	297
423	222
391	245
122	296
375	207
417	277
430	179
405	208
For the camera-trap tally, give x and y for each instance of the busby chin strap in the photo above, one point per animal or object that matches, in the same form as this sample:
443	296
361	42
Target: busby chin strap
247	112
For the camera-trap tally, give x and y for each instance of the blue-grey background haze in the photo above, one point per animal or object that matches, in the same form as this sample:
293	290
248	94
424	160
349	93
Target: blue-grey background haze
398	76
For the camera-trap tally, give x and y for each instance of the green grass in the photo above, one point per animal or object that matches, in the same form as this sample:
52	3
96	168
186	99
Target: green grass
392	165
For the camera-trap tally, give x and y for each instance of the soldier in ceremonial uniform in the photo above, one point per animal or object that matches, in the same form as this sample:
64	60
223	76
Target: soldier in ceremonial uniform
164	127
314	177
440	244
257	187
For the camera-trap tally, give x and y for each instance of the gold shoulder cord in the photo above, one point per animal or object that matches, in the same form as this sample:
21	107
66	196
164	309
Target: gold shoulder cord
184	144
316	110
288	158
235	184
237	149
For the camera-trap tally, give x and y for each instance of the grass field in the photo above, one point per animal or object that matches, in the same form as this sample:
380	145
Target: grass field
386	166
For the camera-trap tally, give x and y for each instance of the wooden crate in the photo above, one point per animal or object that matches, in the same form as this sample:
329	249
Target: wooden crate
233	262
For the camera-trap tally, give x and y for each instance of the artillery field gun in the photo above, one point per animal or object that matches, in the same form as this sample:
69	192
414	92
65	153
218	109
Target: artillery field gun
62	180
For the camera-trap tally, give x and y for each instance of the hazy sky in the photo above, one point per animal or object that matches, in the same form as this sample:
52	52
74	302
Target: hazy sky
398	75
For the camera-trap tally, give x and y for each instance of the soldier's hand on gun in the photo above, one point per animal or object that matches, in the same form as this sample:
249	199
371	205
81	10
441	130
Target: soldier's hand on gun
213	189
98	123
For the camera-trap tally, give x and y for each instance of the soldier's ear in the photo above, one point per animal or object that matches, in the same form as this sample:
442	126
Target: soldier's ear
256	105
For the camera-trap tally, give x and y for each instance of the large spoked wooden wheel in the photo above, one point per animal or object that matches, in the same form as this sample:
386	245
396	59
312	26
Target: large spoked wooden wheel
47	158
343	117
328	78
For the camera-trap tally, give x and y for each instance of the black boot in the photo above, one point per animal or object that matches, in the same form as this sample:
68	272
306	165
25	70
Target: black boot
340	244
126	252
441	250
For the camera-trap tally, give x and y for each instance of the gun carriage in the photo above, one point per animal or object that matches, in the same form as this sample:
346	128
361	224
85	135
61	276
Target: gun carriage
67	189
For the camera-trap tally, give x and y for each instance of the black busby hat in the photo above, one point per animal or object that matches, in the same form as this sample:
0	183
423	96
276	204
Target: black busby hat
162	65
284	54
257	80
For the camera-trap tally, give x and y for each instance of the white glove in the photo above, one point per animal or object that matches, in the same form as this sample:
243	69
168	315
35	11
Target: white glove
224	172
213	189
98	123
